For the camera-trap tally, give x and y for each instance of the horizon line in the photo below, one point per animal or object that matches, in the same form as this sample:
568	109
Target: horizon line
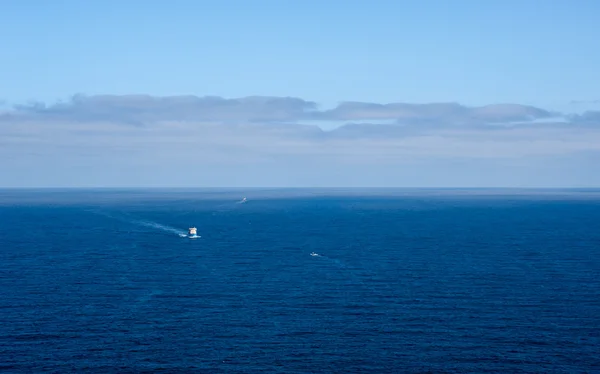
292	188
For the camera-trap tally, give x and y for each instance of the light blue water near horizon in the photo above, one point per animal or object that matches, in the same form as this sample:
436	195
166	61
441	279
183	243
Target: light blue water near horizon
452	282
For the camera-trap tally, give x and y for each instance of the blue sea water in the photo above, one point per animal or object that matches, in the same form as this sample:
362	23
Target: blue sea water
101	282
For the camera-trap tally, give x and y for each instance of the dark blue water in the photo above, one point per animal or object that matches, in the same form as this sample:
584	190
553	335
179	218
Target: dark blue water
96	282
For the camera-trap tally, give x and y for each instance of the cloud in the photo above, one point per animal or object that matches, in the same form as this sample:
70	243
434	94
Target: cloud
188	140
435	113
140	109
590	117
576	102
144	108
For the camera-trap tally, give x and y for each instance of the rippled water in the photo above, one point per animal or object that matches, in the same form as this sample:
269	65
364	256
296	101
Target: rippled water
402	284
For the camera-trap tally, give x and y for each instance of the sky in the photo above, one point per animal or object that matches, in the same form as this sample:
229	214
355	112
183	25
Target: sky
300	93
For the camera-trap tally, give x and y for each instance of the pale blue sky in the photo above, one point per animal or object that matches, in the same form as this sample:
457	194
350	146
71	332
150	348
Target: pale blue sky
539	55
475	52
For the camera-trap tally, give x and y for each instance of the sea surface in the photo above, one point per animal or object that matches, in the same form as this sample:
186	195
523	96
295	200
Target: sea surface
101	281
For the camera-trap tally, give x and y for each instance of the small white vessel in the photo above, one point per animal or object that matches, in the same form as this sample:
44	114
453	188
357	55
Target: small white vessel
314	254
192	231
243	200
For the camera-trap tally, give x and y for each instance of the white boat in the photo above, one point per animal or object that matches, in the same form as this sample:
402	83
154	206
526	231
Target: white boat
192	231
314	254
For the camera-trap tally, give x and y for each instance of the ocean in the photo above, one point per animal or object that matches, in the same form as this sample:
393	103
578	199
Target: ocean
408	281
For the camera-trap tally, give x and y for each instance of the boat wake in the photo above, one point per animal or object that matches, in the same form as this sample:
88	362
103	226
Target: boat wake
347	271
158	226
125	217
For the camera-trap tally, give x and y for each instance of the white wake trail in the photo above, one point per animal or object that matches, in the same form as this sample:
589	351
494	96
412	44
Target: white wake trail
146	223
159	226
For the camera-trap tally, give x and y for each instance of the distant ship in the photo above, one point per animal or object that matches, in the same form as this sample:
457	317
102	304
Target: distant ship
243	200
192	231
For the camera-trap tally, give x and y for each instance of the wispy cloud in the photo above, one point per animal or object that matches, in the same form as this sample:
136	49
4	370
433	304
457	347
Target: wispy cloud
273	137
576	102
